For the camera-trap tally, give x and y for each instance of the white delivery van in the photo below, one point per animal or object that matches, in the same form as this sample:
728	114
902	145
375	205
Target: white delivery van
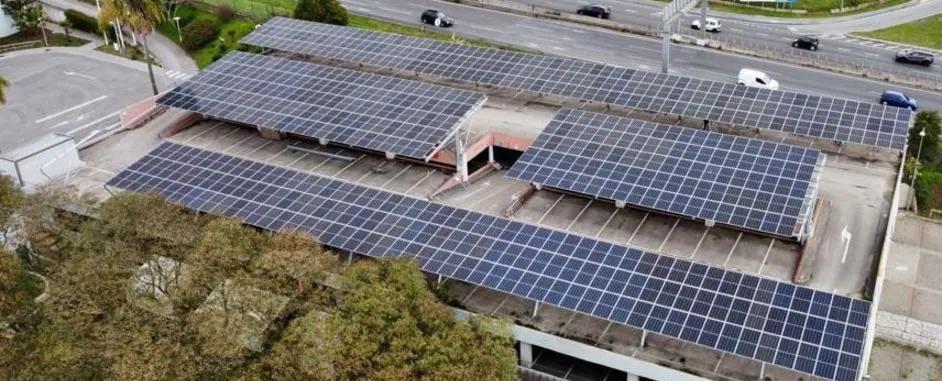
758	79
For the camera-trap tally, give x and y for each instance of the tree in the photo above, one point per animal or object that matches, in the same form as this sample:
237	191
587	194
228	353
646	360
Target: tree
11	196
325	11
27	15
141	16
390	326
931	122
3	86
293	263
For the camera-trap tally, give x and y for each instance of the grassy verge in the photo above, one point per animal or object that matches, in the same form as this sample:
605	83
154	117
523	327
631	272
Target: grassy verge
55	39
925	32
230	32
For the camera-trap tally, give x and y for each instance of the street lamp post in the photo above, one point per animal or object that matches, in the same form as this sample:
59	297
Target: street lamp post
176	20
912	181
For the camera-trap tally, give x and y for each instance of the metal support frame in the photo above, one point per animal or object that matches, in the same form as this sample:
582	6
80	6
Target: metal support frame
644	338
536	308
461	160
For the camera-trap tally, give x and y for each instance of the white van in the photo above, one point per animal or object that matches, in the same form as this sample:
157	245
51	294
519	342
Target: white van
758	79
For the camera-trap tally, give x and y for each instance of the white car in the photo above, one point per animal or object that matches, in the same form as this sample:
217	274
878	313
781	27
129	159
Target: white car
757	79
712	25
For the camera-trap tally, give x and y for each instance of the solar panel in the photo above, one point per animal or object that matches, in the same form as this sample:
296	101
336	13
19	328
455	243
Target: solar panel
801	114
359	109
778	323
747	183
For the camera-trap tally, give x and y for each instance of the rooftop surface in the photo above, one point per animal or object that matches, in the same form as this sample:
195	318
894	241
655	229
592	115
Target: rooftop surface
855	192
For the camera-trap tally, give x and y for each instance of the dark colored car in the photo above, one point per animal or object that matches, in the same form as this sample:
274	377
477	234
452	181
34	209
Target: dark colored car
600	11
437	18
806	42
914	56
897	99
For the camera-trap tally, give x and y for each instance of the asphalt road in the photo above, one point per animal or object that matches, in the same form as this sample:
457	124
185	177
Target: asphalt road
568	39
72	94
834	46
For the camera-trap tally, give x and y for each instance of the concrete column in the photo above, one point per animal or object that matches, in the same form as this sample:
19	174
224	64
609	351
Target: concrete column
269	133
526	355
632	377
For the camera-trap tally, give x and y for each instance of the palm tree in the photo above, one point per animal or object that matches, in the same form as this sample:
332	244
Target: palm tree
141	16
3	85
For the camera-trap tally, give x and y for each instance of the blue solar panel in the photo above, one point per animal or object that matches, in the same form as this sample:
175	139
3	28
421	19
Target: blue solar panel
801	114
747	183
375	112
690	301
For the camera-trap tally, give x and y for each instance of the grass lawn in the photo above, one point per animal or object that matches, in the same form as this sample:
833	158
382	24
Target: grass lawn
230	32
925	32
55	39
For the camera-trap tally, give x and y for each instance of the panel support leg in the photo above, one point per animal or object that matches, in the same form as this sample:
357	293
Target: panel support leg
632	377
349	258
644	338
526	355
460	155
761	370
490	153
536	308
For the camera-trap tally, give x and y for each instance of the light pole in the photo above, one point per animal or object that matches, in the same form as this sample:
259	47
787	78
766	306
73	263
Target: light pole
176	20
912	181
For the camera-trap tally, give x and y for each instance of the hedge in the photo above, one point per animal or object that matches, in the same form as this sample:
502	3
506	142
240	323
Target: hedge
199	33
929	190
82	21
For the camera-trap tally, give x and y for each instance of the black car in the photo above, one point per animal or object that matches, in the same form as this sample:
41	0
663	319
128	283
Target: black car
806	42
600	11
437	18
914	56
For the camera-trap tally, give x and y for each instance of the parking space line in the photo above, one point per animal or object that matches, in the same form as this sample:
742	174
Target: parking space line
227	134
303	155
700	242
610	218
430	172
499	305
578	216
464	301
213	127
546	213
396	176
92	123
319	165
732	249
604	332
637	228
766	257
258	148
352	163
73	108
661	247
238	143
272	157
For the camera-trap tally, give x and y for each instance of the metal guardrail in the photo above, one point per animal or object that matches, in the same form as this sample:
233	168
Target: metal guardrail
19	46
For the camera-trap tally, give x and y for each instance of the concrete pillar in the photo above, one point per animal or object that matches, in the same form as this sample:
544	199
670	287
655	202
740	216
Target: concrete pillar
269	133
632	377
526	355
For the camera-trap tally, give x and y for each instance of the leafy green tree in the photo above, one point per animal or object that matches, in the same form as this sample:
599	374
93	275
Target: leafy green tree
27	15
390	326
141	17
931	122
293	263
325	11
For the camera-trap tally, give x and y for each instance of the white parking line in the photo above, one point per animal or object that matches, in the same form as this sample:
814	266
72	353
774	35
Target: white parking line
92	123
766	257
73	108
546	213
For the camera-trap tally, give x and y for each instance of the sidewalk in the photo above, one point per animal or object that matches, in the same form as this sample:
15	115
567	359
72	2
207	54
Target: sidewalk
168	53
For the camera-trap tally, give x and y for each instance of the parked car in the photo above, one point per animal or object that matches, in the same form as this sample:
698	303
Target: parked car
915	56
437	18
712	25
757	79
595	10
897	99
806	42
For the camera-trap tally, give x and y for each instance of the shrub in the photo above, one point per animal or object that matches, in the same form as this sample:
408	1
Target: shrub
199	33
929	190
325	11
225	13
81	21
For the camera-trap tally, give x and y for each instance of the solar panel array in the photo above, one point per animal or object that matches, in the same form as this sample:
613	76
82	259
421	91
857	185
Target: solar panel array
359	109
801	114
778	323
743	182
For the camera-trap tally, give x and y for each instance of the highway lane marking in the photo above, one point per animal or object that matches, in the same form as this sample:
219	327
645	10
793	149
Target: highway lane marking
73	108
629	10
392	10
762	35
492	30
92	123
843	49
